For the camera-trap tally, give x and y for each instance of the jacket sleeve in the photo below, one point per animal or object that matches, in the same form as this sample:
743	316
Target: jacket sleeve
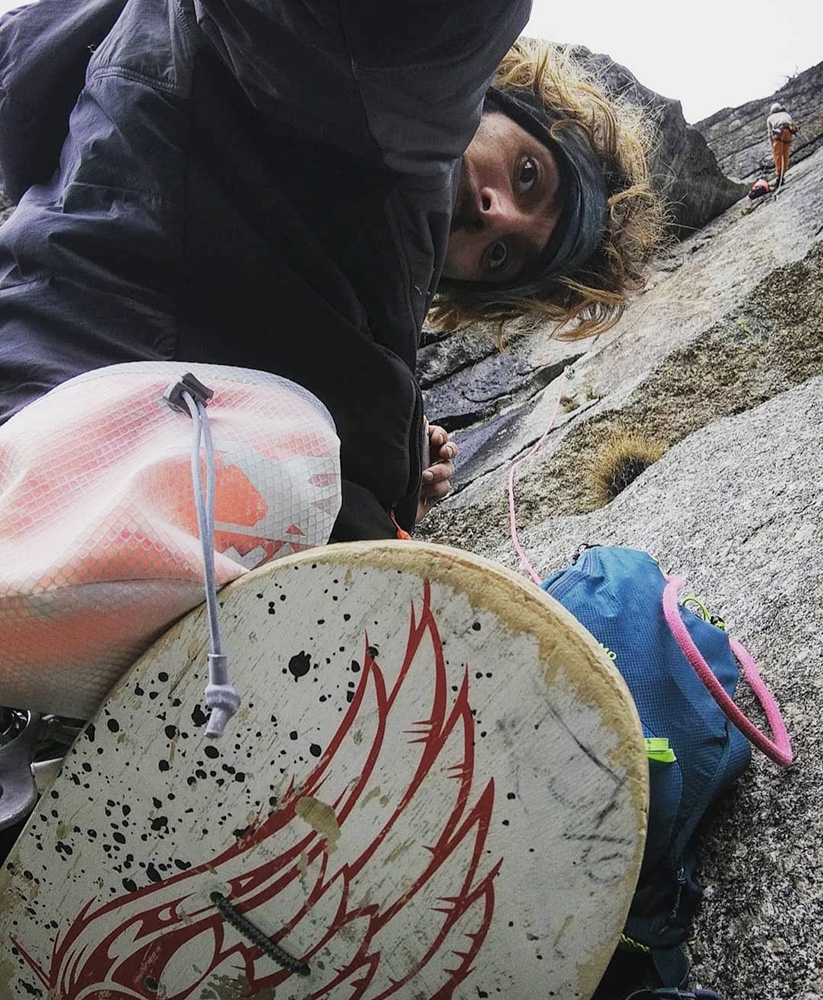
399	84
44	49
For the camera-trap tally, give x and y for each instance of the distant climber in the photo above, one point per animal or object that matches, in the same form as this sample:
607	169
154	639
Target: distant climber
782	130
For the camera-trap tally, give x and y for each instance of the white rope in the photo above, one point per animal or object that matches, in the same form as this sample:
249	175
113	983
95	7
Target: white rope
220	695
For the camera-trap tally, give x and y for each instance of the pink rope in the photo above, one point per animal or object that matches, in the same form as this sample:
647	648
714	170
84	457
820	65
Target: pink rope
779	749
512	516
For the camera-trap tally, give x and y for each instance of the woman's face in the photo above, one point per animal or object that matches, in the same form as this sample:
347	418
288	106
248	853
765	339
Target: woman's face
508	203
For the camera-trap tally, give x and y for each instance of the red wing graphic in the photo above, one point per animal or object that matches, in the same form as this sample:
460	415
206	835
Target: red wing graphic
169	935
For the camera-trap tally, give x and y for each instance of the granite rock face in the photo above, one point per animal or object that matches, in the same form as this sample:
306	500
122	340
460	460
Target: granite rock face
738	135
684	166
729	316
720	359
735	508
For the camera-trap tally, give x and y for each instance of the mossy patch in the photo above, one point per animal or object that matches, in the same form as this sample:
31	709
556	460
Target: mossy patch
625	456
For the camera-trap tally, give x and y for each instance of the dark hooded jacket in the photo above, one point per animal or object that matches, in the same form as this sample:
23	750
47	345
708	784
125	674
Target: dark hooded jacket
244	182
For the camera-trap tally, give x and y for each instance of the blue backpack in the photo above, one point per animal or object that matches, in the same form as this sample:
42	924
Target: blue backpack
680	666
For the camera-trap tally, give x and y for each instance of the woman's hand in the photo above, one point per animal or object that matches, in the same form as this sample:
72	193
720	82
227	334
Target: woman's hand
437	477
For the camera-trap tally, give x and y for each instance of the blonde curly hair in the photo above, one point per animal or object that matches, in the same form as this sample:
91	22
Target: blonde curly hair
592	299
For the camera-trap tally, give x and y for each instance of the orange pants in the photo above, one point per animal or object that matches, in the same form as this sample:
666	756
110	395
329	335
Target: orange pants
781	148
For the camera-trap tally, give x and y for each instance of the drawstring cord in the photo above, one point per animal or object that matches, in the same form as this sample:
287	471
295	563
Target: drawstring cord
220	695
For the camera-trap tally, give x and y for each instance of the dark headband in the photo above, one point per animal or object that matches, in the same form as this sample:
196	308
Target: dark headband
581	227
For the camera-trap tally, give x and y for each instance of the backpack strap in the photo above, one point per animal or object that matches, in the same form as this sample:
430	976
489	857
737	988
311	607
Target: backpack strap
777	749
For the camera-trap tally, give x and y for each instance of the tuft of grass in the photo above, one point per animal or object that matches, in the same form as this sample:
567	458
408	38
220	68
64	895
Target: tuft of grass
617	463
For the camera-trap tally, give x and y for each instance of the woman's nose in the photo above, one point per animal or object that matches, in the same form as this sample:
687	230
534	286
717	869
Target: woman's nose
498	209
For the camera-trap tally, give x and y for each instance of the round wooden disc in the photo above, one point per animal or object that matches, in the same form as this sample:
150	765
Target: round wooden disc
435	786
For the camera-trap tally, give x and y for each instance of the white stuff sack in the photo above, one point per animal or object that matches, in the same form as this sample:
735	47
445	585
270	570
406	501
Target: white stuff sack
99	543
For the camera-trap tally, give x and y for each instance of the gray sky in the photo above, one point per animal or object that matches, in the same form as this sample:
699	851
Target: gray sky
707	54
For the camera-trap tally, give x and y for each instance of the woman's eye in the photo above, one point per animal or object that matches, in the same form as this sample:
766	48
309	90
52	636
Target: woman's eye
496	256
527	175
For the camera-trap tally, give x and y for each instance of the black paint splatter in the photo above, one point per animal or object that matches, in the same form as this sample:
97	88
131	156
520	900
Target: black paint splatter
299	665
